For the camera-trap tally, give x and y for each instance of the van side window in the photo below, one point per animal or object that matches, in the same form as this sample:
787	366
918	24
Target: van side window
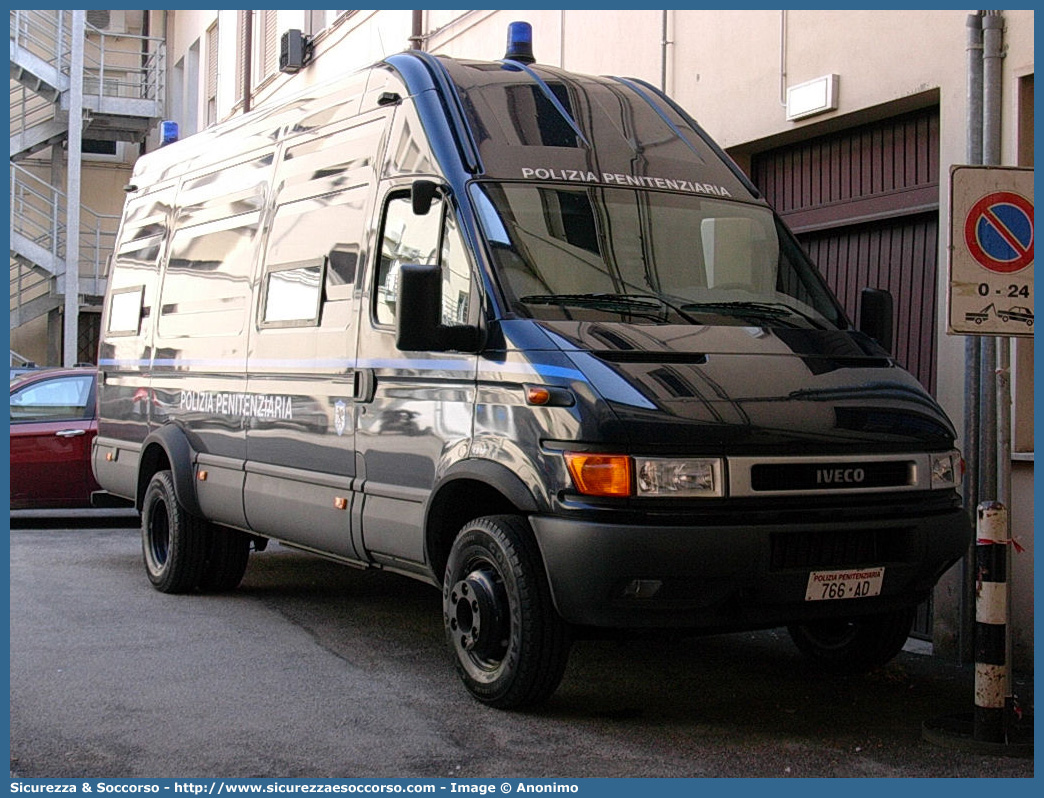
432	238
456	276
313	256
292	295
125	311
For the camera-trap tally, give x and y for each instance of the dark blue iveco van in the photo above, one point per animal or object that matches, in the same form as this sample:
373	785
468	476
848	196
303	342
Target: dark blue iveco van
528	336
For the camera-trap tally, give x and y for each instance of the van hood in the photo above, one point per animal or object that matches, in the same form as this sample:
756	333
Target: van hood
769	391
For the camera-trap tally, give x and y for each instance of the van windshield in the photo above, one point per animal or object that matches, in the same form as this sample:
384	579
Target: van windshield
653	257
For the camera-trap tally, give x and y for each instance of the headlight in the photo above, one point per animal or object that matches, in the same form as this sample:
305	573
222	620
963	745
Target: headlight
947	469
665	476
621	475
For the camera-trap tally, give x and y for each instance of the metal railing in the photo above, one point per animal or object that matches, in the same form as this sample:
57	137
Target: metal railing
29	110
124	65
116	65
26	286
38	214
45	34
97	243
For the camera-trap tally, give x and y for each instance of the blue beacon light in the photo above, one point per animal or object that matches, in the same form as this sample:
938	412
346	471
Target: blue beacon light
168	133
520	43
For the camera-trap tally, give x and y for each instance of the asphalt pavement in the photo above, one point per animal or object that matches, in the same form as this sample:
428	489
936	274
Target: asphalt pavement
313	669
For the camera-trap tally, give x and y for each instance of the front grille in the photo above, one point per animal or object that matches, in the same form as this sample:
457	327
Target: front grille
838	475
838	549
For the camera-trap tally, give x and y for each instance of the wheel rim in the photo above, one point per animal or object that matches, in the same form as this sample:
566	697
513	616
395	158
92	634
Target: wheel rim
477	617
158	538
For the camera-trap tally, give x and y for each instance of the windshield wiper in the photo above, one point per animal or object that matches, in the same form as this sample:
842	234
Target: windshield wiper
636	304
751	310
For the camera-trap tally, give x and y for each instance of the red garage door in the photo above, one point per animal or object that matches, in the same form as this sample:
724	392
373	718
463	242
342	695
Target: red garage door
864	203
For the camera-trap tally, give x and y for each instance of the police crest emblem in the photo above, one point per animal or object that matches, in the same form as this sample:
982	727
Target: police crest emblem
340	416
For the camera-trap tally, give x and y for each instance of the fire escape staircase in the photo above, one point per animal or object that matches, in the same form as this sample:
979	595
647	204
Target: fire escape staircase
122	100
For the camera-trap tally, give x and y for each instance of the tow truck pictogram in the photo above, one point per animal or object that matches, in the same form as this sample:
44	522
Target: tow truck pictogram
980	316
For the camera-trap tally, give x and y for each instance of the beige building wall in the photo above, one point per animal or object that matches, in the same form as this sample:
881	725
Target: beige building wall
731	70
30	341
350	41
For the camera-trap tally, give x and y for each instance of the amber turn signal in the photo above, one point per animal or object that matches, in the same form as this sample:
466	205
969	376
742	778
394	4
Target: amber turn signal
600	474
538	395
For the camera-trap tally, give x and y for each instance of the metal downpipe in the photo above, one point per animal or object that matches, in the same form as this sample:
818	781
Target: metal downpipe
972	348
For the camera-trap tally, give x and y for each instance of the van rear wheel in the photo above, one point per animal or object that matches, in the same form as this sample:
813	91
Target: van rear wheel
509	643
174	542
227	555
854	645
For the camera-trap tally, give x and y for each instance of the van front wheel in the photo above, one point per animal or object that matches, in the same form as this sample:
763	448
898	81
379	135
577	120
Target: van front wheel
854	645
509	642
174	542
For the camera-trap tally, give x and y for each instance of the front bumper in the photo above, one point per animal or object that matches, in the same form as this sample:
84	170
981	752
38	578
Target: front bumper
729	578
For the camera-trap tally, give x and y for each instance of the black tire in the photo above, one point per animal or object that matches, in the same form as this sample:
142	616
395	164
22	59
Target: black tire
174	542
853	645
227	556
509	643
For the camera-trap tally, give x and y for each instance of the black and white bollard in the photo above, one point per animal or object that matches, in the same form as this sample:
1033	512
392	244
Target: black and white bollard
992	673
997	725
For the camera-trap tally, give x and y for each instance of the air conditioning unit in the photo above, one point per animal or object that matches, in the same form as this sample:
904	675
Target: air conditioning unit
295	51
108	21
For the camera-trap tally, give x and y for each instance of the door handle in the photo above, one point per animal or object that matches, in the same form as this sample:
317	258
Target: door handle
70	433
365	385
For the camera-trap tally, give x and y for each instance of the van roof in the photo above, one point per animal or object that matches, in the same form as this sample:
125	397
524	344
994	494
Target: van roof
511	121
533	121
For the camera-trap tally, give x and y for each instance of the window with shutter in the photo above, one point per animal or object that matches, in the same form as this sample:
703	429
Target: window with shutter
212	73
315	21
268	44
241	37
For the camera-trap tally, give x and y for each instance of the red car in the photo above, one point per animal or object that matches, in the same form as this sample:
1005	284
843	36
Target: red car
53	423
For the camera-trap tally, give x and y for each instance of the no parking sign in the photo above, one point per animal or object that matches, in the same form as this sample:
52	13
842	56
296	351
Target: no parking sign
991	251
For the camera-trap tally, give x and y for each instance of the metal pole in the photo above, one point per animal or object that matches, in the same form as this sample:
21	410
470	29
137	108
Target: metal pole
248	55
417	37
663	51
73	173
992	61
1004	421
992	24
972	345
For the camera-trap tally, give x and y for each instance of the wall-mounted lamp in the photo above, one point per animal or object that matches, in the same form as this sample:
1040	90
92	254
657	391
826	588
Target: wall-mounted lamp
812	97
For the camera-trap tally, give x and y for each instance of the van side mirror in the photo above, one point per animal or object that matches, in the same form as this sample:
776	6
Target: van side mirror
875	316
422	195
419	314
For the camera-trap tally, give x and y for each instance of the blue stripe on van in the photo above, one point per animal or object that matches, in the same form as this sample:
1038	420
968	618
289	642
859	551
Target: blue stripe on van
604	380
428	364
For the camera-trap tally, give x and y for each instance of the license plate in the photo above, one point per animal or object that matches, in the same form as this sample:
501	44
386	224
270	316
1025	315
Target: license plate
848	584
